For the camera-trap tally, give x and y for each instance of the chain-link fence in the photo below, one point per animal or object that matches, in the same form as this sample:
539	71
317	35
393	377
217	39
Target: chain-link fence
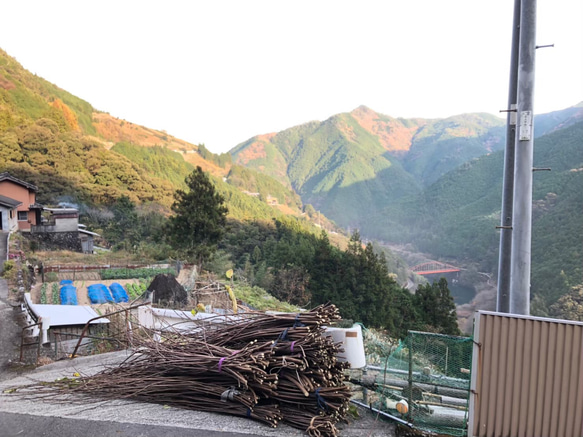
424	380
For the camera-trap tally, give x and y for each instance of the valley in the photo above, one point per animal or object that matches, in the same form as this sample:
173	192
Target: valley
425	188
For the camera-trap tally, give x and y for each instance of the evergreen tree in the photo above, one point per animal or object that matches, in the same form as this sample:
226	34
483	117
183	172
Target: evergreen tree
123	231
200	218
437	308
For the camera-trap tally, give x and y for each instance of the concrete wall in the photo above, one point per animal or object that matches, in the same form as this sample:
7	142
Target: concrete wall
66	224
56	240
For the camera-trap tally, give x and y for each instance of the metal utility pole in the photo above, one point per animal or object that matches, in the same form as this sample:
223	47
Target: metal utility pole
522	213
503	298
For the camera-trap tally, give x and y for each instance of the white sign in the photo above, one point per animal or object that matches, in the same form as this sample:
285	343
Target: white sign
525	130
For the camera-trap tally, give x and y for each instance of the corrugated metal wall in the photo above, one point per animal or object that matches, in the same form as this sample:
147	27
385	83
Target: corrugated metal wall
527	377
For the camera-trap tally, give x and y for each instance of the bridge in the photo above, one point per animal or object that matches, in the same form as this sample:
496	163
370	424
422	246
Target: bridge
434	267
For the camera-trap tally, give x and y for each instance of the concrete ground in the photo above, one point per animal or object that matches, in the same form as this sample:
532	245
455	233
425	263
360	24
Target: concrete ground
22	416
131	418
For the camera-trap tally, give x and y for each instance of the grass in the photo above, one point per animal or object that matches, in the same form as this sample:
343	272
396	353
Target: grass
257	298
67	257
55	293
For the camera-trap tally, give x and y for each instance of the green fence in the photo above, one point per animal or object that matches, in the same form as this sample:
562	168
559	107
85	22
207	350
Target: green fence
424	380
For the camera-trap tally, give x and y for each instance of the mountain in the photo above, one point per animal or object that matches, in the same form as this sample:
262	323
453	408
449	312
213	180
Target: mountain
355	164
63	145
455	218
435	184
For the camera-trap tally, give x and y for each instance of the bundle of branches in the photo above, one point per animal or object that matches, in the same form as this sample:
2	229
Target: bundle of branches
266	367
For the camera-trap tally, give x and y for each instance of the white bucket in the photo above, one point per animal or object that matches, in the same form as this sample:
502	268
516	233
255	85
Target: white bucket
352	343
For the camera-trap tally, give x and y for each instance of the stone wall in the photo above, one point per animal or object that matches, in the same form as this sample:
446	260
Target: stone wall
56	240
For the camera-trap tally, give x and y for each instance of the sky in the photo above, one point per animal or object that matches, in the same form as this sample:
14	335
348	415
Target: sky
220	72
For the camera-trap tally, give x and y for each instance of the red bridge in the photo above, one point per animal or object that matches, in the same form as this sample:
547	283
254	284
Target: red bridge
433	267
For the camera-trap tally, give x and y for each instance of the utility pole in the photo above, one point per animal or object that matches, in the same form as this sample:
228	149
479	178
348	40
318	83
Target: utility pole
522	213
503	297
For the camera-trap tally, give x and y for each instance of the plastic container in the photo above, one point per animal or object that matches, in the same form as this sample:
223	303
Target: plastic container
352	343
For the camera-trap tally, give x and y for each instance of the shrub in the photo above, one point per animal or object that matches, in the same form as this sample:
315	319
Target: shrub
9	271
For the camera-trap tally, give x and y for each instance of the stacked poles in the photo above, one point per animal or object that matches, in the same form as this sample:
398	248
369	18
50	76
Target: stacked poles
271	368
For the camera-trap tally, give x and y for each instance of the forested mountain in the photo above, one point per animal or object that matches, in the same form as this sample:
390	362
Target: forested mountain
70	150
357	164
433	183
436	184
455	218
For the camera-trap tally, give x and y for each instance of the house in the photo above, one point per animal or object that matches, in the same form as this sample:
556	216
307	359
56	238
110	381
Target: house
52	228
8	213
22	196
59	220
60	229
86	238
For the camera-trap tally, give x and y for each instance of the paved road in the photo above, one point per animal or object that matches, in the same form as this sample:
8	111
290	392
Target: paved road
126	418
19	425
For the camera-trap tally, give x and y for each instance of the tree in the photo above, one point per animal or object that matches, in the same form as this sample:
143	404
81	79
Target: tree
570	306
200	218
437	308
123	231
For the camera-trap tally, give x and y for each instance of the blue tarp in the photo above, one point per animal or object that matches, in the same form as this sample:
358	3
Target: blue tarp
99	293
68	295
119	293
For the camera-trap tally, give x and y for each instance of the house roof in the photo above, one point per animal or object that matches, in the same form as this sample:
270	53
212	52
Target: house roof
57	211
64	315
5	176
85	231
8	202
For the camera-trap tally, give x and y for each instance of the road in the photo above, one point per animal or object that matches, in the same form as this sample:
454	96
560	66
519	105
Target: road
14	425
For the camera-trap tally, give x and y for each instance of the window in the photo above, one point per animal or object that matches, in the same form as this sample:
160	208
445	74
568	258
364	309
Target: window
22	216
11	213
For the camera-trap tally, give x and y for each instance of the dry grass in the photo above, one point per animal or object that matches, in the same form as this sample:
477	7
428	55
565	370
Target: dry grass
66	257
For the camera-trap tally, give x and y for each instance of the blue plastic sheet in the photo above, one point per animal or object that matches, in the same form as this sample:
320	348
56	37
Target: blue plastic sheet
99	293
68	294
119	293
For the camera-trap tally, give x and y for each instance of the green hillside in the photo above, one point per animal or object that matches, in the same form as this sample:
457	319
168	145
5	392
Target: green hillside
24	96
337	166
456	217
158	161
442	145
266	186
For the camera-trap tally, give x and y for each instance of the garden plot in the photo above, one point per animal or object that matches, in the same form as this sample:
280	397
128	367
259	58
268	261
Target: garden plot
48	292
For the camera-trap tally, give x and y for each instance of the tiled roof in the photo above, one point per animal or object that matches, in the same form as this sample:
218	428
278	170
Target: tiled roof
5	176
10	203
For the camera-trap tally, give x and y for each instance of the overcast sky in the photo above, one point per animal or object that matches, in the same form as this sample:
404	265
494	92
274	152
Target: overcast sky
220	72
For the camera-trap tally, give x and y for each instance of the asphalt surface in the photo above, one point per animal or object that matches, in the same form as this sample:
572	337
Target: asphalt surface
14	425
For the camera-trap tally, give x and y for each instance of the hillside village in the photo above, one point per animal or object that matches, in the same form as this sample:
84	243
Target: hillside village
117	238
